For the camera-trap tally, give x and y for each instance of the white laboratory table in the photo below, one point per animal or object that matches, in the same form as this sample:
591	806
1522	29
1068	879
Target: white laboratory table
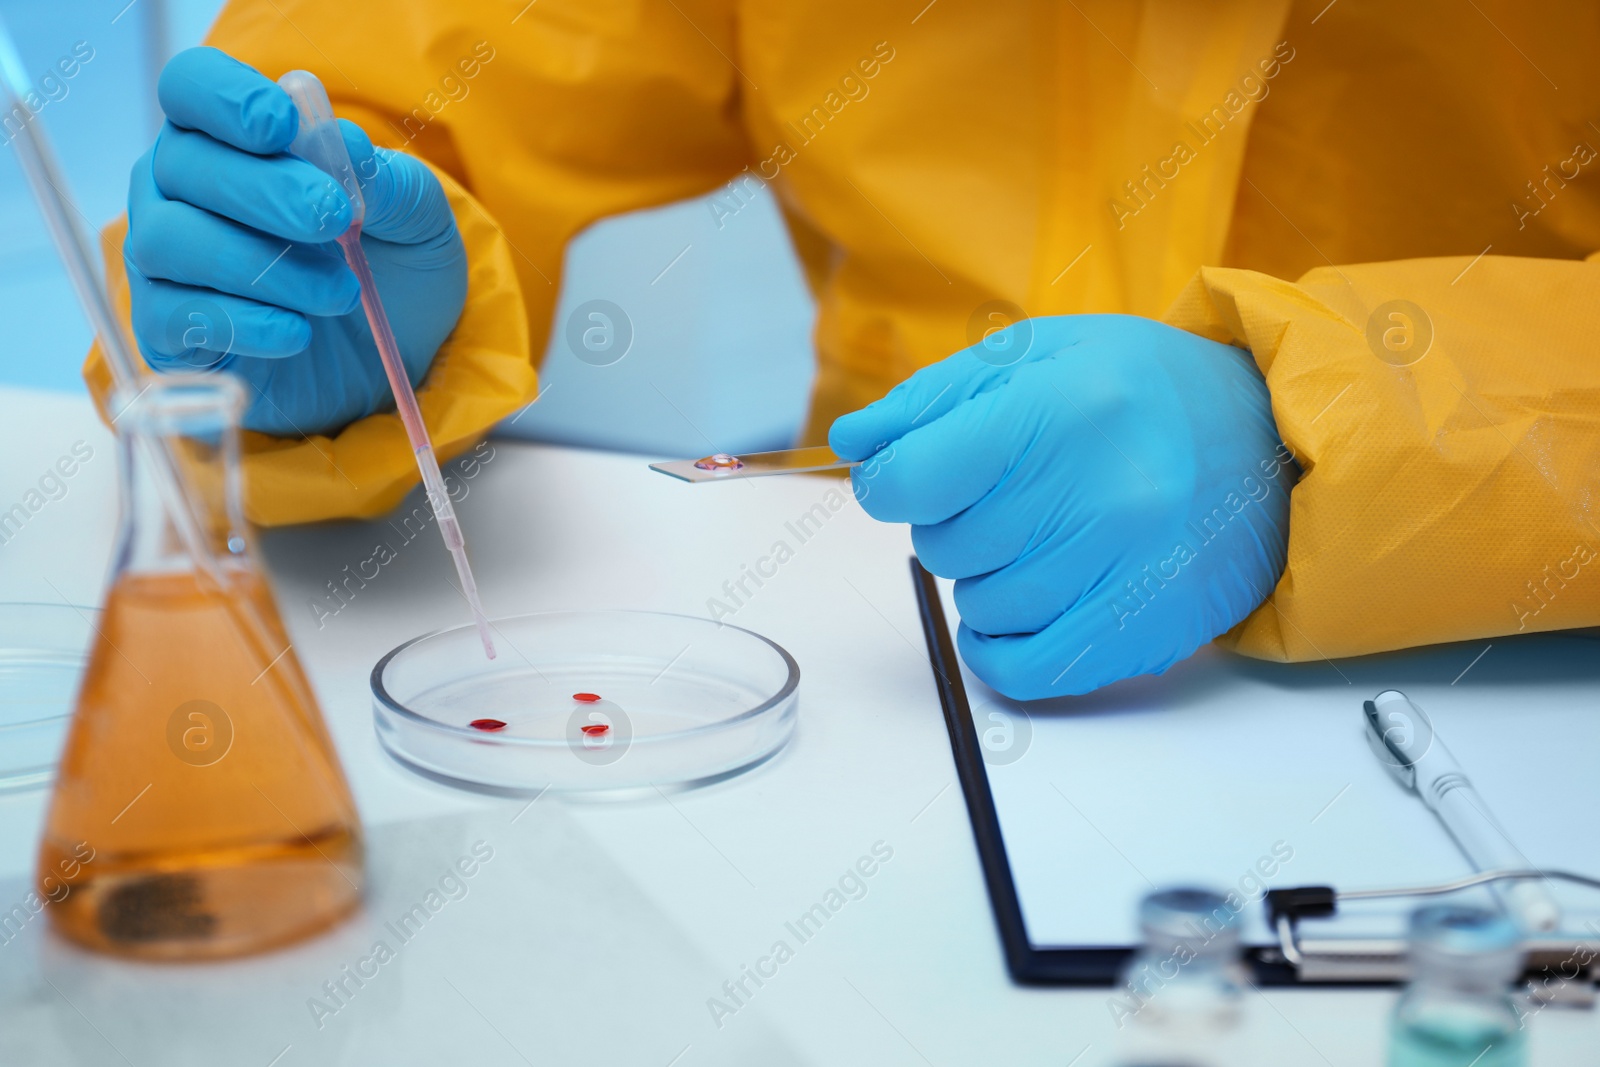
600	932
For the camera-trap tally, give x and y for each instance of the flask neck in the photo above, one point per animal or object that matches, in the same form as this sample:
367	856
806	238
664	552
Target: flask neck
178	460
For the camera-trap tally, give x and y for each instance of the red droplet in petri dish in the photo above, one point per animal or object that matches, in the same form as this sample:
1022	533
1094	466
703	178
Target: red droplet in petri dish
720	461
487	724
587	698
594	729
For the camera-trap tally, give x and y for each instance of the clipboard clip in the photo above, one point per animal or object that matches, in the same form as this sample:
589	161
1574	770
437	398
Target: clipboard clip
1359	960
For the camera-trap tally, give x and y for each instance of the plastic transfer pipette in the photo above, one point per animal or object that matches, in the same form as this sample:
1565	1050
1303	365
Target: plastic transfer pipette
320	143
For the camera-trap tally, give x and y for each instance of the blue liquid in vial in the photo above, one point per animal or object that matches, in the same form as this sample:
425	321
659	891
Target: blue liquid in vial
1467	1041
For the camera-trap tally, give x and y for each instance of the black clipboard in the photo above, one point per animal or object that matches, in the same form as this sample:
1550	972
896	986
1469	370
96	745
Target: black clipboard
1029	964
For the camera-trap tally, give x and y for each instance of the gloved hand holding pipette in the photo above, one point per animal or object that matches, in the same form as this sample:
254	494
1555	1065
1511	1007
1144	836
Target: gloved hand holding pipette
232	262
320	142
341	319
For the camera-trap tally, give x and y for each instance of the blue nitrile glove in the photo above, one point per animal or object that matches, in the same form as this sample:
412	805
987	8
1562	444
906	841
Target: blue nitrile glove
232	262
1108	491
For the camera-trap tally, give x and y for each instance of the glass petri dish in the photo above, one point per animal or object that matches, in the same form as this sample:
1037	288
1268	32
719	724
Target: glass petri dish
43	651
595	701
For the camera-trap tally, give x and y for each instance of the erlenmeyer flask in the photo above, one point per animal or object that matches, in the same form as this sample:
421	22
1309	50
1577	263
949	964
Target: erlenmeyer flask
199	809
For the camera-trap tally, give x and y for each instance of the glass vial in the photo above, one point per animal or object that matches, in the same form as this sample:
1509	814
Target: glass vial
1181	997
1457	1010
200	810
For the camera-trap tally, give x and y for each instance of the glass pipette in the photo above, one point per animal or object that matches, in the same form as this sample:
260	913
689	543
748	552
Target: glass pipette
50	189
320	143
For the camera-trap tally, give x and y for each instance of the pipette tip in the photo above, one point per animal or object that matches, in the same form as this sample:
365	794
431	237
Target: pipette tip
483	632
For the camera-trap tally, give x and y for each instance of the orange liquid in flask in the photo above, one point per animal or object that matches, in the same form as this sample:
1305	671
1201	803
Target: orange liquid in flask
200	778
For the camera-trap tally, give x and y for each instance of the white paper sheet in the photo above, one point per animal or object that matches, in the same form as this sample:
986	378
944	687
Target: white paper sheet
1243	775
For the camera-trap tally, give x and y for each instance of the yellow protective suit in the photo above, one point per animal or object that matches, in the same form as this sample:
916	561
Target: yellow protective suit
1260	172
